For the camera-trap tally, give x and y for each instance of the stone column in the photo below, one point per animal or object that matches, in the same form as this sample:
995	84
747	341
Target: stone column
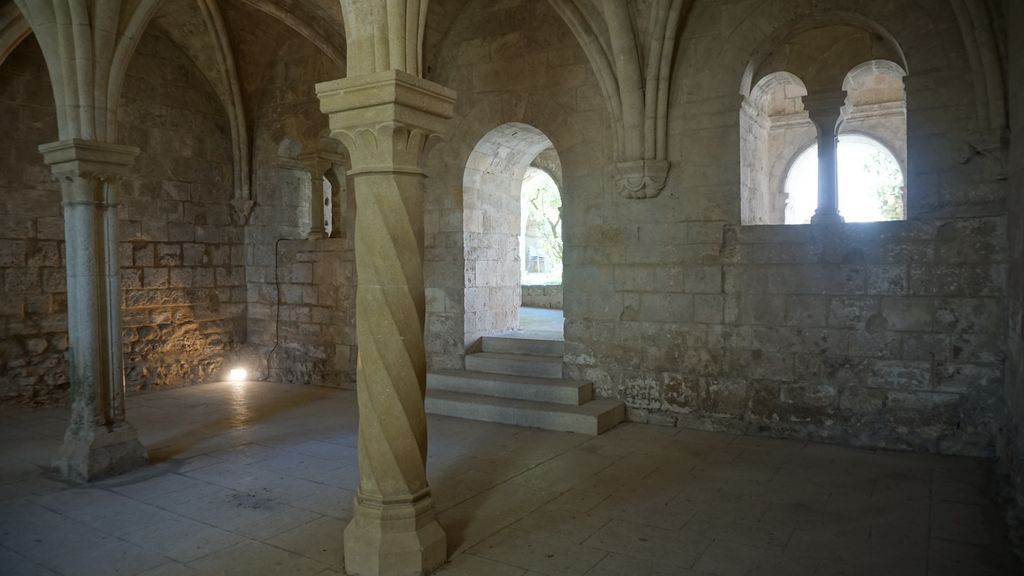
826	112
99	441
388	120
317	167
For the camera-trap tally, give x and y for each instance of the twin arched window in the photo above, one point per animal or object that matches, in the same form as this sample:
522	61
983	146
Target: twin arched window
815	152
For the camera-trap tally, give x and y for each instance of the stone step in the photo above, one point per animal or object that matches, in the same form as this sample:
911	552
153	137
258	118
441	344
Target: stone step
570	392
595	417
529	346
515	364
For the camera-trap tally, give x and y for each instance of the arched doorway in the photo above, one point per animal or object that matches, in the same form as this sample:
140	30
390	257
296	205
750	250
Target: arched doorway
498	250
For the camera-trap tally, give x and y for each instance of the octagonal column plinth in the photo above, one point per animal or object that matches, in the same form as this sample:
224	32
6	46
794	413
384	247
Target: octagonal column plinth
99	442
388	121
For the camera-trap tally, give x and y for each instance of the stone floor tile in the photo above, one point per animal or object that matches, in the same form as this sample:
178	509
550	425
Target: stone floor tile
248	558
170	569
724	529
735	559
620	565
320	540
579	499
326	450
469	565
98	556
182	539
17	565
560	524
542	553
566	471
642	509
961	522
947	558
485	514
650	543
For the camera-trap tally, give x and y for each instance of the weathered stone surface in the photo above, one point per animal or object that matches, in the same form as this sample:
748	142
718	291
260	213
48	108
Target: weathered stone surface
1014	384
154	263
900	334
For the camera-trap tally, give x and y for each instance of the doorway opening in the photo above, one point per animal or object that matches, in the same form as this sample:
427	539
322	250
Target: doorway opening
513	234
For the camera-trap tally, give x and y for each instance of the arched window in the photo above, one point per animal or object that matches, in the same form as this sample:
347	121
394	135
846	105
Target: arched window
871	183
823	138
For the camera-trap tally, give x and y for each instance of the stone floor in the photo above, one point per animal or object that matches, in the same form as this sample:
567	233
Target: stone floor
539	323
257	478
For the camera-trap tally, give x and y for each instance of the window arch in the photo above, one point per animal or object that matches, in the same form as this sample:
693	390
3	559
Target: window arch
799	102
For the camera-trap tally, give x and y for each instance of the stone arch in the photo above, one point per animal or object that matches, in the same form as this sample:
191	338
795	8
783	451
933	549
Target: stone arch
818	55
768	58
13	29
774	129
876	106
491	190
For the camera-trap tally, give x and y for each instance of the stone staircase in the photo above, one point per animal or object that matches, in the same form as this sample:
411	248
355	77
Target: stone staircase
518	381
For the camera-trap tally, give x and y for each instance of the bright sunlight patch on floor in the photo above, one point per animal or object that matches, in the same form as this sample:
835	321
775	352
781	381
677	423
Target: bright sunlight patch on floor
871	183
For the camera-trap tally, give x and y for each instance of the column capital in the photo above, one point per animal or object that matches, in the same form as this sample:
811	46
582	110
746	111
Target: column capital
83	166
388	121
89	158
825	108
318	163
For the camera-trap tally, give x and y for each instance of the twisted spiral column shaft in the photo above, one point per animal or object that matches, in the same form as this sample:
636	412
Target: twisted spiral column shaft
388	121
390	308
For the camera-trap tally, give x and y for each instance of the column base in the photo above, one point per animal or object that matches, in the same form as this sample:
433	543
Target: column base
100	452
827	218
394	538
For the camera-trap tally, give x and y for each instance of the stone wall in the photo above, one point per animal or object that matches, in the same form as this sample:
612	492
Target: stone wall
181	258
543	296
1015	299
314	316
33	321
878	335
301	292
849	334
184	285
509	62
881	335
